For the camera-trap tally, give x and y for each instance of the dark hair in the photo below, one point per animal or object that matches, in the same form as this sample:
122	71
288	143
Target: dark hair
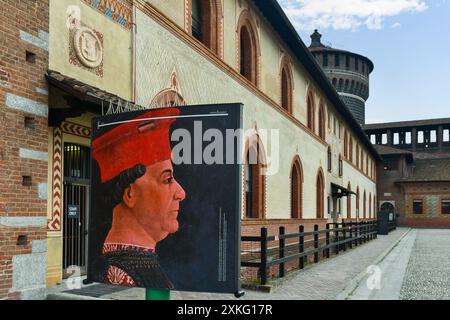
114	188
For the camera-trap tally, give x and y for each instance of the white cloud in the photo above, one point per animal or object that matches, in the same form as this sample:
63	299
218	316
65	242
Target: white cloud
396	25
347	14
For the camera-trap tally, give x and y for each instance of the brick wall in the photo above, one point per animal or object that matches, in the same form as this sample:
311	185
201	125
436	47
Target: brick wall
432	194
23	148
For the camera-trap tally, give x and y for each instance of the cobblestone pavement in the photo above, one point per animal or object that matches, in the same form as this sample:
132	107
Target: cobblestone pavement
322	281
428	272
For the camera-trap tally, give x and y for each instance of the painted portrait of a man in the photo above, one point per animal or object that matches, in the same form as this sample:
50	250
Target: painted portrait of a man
135	162
161	216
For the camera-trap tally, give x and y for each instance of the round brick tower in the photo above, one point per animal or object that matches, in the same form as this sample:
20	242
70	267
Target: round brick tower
348	72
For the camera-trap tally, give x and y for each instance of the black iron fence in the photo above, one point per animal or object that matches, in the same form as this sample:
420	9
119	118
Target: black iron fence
392	225
303	245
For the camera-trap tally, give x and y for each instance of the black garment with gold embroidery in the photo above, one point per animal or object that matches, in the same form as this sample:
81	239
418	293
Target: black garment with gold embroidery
143	267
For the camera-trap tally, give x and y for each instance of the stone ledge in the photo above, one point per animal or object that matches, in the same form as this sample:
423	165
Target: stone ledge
69	296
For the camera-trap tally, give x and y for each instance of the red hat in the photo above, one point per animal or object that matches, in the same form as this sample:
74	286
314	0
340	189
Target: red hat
143	142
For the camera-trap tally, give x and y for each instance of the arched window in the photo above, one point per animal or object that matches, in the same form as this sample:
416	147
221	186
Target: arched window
370	205
310	111
357	155
362	159
320	185
375	207
206	23
345	145
296	189
367	164
341	166
364	205
286	86
330	159
254	180
322	122
248	48
341	85
373	170
357	202
350	150
349	202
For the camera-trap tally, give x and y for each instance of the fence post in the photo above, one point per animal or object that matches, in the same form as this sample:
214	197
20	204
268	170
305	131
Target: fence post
361	232
375	229
336	238
350	243
316	243
371	230
263	267
282	244
365	232
327	241
301	243
344	235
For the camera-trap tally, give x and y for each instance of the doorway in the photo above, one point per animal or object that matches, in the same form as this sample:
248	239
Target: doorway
76	207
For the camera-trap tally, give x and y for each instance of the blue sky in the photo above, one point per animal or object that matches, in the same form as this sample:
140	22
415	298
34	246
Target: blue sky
408	41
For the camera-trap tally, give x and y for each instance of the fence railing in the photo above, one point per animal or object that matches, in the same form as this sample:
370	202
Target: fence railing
316	243
392	225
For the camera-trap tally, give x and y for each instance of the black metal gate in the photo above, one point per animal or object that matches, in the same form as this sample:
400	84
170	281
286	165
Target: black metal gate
76	206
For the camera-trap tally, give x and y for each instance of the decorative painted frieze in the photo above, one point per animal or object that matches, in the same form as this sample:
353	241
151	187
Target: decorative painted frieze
118	11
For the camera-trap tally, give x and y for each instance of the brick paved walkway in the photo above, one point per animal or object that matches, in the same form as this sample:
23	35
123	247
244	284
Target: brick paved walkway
325	280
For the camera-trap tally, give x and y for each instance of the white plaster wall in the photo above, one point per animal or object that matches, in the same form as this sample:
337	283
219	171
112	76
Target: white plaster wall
202	82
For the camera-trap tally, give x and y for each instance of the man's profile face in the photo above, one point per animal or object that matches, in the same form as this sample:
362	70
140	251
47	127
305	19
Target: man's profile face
158	197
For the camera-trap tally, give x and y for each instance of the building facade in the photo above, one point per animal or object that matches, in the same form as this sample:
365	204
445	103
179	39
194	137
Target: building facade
414	176
348	72
98	57
23	148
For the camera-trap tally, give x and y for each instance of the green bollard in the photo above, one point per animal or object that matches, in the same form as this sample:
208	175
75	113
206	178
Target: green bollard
156	294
